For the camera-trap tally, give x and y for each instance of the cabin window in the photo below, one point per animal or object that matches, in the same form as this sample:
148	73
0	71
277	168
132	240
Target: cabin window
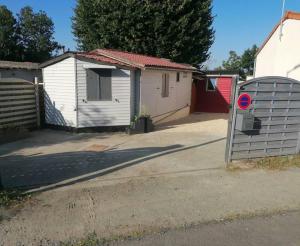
99	85
178	77
184	75
165	85
211	84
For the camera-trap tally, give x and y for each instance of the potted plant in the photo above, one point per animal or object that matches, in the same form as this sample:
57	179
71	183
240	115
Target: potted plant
141	124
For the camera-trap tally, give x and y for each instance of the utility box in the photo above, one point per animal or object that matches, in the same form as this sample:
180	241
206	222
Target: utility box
244	122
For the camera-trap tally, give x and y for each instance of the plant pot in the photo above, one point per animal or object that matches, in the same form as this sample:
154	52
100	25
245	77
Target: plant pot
142	125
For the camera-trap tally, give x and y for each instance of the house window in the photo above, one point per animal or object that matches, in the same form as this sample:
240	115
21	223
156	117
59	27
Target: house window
184	75
178	77
165	85
211	84
99	85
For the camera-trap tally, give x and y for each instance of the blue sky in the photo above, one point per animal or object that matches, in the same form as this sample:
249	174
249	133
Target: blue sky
238	23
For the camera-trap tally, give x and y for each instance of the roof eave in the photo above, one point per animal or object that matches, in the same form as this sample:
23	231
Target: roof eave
288	15
57	59
192	69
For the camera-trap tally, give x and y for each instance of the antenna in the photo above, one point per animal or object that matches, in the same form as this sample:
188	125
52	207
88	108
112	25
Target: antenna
281	23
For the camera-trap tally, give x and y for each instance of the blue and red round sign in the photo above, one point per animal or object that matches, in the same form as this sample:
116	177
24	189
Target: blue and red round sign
244	101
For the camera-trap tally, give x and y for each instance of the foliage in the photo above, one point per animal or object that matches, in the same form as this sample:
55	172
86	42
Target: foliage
8	39
10	197
269	163
35	32
179	30
90	240
233	62
248	60
27	38
244	64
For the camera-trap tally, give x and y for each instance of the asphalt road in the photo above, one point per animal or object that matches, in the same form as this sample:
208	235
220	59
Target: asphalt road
276	230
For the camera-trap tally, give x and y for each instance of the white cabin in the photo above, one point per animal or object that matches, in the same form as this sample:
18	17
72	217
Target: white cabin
106	88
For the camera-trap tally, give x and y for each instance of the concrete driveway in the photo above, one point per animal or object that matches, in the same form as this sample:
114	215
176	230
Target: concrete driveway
59	158
171	178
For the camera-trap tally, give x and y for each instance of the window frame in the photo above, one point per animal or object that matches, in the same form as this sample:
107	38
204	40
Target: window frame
216	84
99	86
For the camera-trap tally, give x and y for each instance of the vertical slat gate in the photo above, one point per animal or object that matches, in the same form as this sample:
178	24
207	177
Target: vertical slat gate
276	108
18	104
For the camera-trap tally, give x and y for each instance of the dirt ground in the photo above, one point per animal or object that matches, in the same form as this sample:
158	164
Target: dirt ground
172	177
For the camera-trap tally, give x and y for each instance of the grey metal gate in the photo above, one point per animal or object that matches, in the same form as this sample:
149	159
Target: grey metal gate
275	108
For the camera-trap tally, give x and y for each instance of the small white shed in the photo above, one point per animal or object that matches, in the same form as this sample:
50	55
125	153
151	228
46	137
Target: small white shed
105	88
280	54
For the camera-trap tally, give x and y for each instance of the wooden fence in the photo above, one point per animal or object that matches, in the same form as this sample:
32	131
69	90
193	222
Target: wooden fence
19	104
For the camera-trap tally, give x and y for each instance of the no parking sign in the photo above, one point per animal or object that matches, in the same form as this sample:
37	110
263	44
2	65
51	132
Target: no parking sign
244	101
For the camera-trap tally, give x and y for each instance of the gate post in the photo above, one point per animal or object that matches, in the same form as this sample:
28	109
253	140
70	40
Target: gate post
37	101
231	120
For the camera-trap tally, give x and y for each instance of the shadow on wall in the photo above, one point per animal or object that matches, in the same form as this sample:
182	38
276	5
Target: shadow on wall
73	167
52	114
292	70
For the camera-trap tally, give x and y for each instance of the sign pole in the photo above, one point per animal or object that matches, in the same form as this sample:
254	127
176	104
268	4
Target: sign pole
281	22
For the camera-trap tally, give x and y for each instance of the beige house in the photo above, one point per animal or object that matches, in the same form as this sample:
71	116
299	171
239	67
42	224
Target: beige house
280	53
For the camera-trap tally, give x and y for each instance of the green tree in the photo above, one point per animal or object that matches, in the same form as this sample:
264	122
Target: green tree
8	39
233	63
179	30
244	64
248	60
35	32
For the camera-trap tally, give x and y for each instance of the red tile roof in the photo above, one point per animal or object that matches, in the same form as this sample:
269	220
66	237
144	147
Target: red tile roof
289	15
100	58
122	58
133	60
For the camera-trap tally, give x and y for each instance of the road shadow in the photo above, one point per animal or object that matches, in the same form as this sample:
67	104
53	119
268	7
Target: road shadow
63	169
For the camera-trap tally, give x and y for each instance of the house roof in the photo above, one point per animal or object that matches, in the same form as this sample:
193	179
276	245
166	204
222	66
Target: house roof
122	58
100	58
19	65
142	60
289	15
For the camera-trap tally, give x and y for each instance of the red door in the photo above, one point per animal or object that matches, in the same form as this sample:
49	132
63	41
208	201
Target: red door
214	98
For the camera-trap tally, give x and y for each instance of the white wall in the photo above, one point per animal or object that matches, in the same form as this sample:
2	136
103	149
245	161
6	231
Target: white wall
151	85
104	113
281	57
59	85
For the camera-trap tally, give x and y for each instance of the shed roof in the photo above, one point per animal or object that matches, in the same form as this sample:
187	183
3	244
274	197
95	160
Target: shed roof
19	65
122	58
142	60
289	15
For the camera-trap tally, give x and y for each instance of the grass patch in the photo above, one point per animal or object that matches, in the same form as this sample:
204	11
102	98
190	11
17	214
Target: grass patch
93	240
270	163
12	197
90	240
